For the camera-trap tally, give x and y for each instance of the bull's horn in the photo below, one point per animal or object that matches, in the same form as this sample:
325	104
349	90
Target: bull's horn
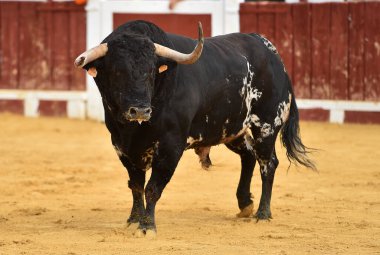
179	57
90	55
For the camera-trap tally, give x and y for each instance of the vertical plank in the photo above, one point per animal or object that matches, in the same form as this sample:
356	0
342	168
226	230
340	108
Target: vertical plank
339	51
29	46
60	56
301	50
77	46
9	47
266	21
356	51
372	51
284	36
248	18
1	48
44	33
320	36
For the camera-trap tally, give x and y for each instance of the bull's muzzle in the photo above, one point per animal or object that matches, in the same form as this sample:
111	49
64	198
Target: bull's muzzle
138	114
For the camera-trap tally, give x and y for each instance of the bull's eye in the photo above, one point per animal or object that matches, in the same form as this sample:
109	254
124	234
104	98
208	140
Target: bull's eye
145	76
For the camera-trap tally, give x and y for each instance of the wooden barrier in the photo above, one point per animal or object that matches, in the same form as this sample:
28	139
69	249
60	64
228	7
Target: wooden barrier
330	50
38	42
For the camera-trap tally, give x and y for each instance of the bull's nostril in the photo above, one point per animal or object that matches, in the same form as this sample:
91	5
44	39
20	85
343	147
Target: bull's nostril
132	111
136	113
148	111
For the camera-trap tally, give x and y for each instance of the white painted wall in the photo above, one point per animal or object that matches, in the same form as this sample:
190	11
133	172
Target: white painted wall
76	100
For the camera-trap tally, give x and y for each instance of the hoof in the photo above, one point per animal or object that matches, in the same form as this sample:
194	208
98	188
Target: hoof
150	234
132	226
139	233
206	166
263	215
145	233
246	212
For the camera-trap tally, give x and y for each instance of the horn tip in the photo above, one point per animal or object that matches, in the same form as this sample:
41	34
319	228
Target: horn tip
79	62
200	31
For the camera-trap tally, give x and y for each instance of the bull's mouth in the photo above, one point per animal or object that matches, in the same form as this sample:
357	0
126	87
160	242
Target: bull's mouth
139	120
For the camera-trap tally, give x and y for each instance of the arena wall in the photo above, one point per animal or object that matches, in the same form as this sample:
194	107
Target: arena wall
331	50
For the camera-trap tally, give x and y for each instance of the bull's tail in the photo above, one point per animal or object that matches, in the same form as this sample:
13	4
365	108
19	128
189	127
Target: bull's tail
296	151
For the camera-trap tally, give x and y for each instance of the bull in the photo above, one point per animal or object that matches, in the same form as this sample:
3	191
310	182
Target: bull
159	101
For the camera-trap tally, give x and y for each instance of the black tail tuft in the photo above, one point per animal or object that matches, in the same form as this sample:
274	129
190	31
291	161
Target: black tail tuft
296	151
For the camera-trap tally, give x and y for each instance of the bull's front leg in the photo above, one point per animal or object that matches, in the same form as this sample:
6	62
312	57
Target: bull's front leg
136	184
164	163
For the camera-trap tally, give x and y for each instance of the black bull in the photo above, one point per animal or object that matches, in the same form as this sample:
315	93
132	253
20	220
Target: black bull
237	92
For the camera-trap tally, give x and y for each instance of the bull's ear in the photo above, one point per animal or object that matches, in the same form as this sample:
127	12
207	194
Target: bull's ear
92	71
162	68
93	67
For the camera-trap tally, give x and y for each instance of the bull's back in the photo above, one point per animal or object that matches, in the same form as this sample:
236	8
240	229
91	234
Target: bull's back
230	65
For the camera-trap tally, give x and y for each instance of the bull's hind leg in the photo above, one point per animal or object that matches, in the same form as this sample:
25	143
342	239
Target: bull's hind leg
266	156
248	162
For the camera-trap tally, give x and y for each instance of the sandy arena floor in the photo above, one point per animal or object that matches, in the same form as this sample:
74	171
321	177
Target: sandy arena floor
63	191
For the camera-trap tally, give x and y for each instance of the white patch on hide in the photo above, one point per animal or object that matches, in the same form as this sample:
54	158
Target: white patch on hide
147	156
190	140
255	120
283	112
224	134
266	130
206	118
269	45
263	166
248	139
249	93
264	170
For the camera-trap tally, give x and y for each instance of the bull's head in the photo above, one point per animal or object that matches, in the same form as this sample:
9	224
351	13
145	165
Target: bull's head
126	74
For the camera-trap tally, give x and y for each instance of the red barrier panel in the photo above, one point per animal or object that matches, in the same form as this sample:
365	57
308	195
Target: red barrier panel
331	50
38	43
171	23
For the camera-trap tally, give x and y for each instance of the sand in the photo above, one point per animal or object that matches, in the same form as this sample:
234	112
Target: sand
64	191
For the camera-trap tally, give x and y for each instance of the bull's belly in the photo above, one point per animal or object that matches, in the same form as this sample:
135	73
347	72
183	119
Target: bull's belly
209	130
223	120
